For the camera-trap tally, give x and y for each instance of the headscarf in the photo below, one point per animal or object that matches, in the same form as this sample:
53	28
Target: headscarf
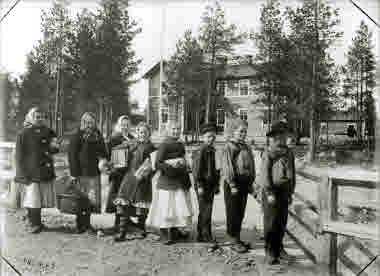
89	134
29	117
117	128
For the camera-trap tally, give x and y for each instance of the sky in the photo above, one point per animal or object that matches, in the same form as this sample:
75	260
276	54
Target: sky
20	31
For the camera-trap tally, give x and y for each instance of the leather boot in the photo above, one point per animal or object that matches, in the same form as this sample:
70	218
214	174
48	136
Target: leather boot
141	225
87	224
171	238
123	229
29	219
35	215
80	224
116	226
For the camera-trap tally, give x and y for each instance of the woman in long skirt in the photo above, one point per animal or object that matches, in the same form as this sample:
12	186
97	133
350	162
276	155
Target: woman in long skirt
118	143
136	188
87	153
171	207
35	168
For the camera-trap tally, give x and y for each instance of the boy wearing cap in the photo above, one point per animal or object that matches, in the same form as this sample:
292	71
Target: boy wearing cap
206	182
278	184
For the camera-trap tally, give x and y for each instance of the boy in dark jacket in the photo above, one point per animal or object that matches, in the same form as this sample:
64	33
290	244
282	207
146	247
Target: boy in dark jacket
206	182
278	184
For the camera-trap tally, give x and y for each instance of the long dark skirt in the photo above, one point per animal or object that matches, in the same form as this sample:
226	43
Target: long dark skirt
132	191
116	178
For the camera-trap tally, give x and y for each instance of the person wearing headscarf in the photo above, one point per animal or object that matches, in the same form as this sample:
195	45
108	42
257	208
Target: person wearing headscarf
278	181
87	155
171	207
135	193
35	145
121	139
238	174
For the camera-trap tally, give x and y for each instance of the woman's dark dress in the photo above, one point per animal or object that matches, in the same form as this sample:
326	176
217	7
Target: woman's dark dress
117	174
132	191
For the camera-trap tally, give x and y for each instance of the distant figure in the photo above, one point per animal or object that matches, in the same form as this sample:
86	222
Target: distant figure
35	146
351	131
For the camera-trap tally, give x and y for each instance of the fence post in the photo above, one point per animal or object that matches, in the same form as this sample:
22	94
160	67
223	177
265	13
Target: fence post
333	236
327	196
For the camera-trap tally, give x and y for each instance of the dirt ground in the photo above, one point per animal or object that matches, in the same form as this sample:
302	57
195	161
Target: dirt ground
58	251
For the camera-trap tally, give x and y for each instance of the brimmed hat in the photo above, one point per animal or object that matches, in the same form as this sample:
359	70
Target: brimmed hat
278	128
208	128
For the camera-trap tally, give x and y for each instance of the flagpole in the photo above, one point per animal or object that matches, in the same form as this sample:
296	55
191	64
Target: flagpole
162	49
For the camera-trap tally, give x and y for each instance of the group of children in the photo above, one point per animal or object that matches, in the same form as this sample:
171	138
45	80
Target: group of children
274	188
168	207
153	184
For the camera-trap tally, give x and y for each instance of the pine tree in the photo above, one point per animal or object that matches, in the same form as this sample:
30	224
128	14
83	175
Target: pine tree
186	82
313	31
217	39
360	78
117	62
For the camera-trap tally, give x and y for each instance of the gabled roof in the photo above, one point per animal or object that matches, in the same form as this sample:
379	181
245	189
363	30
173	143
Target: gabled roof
230	71
236	71
153	70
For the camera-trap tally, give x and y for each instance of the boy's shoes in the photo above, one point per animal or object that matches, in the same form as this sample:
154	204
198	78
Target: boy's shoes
247	245
34	229
239	248
178	234
272	260
285	256
120	236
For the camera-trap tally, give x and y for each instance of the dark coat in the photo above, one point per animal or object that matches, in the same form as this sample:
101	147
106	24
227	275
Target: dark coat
34	161
278	171
117	174
171	178
205	174
84	154
132	190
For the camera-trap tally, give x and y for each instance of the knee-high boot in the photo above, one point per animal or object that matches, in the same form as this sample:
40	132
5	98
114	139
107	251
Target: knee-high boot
35	219
123	229
116	225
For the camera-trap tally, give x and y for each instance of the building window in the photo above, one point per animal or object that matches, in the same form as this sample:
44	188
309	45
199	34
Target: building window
232	88
220	118
251	87
222	87
244	86
243	114
164	115
237	88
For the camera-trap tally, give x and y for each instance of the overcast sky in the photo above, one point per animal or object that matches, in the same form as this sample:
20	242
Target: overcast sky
21	29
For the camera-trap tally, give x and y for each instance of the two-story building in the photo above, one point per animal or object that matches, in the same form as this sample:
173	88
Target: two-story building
235	82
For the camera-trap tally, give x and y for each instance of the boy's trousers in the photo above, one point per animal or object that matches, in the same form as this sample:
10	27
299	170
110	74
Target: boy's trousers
205	202
235	210
275	220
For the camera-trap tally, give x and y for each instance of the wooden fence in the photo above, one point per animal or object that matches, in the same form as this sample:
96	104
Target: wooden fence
339	247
